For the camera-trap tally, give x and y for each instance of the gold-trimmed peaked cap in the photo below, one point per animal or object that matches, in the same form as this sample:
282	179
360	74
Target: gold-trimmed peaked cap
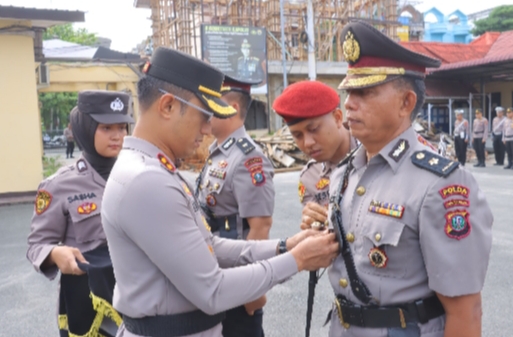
237	84
191	74
376	59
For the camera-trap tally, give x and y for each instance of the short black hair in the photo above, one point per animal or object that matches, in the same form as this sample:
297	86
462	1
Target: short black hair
243	99
419	87
148	92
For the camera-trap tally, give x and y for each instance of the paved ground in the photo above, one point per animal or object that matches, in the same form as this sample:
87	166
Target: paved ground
28	300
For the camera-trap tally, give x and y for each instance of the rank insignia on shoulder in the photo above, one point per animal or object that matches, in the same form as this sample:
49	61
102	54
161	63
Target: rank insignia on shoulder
167	164
457	224
301	191
451	190
386	208
432	162
43	201
228	143
378	258
456	203
87	208
399	150
245	146
81	166
186	189
322	184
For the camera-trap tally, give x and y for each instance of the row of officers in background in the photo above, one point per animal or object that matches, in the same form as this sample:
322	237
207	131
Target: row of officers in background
502	133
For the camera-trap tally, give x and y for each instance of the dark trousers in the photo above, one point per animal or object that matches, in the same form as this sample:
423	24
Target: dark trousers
509	151
70	147
461	149
239	324
479	147
498	149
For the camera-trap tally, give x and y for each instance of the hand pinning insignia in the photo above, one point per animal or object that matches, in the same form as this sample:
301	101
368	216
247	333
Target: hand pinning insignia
457	224
43	201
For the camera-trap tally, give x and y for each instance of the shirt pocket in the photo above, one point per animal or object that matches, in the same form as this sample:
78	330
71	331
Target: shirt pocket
382	254
86	221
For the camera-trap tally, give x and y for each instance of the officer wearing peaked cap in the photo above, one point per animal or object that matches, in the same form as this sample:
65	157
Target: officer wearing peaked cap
236	189
66	225
173	277
479	137
507	137
497	127
414	227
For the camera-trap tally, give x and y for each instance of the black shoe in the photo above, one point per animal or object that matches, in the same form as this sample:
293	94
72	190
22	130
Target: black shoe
72	157
477	165
482	165
498	164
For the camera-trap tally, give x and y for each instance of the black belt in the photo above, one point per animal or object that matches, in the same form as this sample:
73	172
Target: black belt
226	225
172	325
396	316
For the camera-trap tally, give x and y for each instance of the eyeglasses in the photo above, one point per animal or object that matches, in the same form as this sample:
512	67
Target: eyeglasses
207	113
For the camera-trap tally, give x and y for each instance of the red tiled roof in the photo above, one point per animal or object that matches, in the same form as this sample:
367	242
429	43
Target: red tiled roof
487	39
449	52
442	88
500	51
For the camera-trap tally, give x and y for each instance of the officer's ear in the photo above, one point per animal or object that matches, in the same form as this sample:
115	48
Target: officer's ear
166	104
339	117
409	102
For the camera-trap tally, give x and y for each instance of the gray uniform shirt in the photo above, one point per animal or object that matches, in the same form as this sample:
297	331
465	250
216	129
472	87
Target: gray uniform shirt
237	180
165	259
498	125
314	182
480	129
461	129
67	211
507	134
426	250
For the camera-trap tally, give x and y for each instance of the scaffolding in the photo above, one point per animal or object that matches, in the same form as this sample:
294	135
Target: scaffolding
176	23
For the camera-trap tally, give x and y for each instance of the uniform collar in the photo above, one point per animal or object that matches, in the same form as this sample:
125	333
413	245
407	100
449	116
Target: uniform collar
83	166
141	145
239	133
394	153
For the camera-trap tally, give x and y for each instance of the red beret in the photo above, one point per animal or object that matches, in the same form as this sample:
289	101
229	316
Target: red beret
306	99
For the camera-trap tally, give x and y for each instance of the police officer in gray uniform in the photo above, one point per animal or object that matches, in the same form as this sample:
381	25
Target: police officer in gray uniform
66	224
461	136
479	137
173	277
249	67
236	190
507	137
497	127
414	227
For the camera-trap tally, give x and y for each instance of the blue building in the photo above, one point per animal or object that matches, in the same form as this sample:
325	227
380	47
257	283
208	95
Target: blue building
452	28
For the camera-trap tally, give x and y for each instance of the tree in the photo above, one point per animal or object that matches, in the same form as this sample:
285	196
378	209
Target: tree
67	33
500	20
55	108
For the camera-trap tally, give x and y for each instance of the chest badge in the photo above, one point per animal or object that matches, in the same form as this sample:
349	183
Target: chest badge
217	173
378	258
457	225
211	200
87	208
43	201
222	164
322	184
386	208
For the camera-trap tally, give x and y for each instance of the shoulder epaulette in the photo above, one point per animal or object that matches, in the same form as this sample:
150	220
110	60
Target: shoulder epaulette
432	162
348	156
245	145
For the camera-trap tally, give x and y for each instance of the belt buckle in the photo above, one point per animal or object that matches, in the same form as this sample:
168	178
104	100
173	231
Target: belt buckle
340	314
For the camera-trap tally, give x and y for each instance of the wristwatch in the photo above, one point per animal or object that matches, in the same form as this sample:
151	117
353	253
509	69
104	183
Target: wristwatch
282	246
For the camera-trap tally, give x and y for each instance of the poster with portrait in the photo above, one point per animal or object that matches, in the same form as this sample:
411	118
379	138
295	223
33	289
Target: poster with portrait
240	52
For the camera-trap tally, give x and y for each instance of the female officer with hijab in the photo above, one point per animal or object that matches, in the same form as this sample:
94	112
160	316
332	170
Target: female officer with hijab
66	231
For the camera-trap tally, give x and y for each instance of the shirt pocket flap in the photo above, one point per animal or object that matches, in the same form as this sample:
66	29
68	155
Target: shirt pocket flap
384	232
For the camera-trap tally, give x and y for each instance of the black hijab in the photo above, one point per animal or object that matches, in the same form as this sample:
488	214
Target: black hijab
84	129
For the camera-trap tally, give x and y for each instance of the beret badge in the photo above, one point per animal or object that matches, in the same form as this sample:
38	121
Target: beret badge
351	48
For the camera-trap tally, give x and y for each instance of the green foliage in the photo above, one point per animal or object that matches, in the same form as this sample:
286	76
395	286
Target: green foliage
67	33
61	104
51	165
500	20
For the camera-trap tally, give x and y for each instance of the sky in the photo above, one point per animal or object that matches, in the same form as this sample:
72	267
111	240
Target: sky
127	26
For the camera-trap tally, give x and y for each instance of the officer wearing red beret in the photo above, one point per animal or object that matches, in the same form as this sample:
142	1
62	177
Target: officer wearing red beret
312	112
